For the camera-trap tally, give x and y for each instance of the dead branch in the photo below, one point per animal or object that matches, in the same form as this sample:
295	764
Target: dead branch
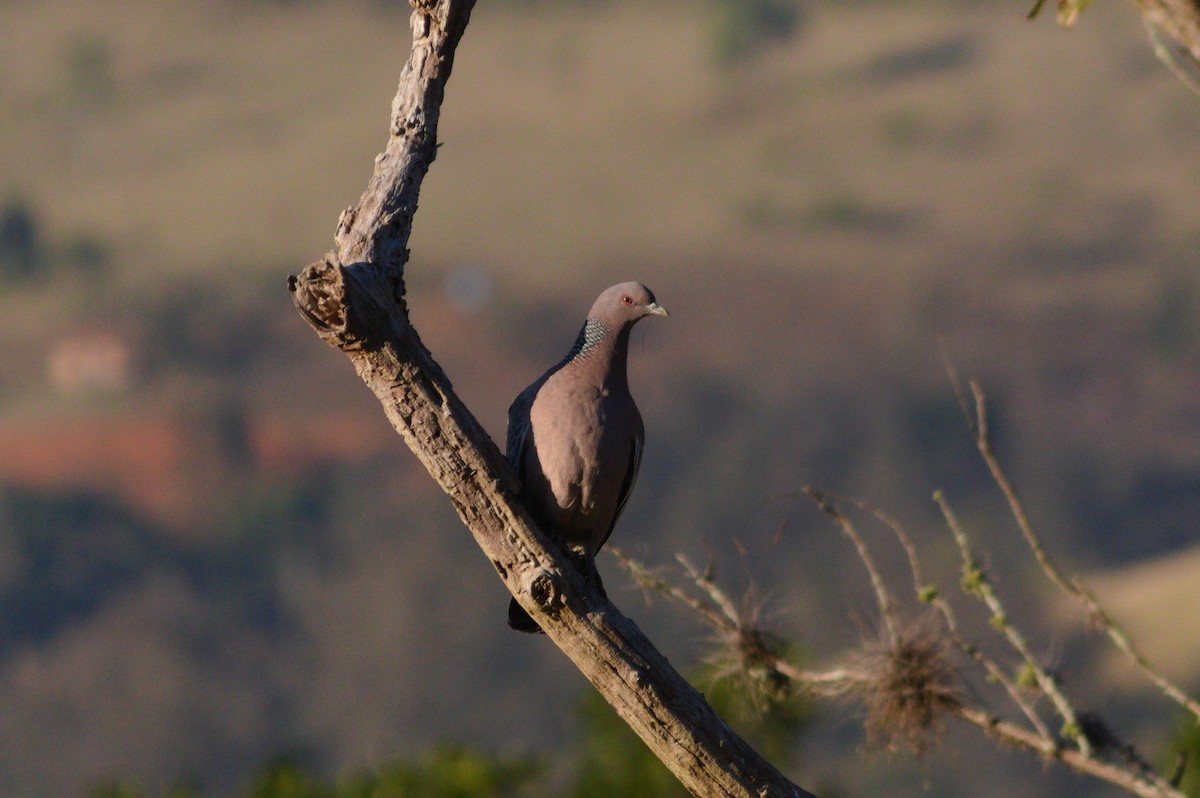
1070	586
904	681
928	592
906	690
883	598
354	298
976	583
1177	20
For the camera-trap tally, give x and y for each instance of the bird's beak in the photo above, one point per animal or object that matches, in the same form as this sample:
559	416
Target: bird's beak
657	309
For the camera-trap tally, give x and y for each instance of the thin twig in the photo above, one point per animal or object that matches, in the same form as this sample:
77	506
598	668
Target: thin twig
843	681
984	444
1144	785
1037	7
840	683
882	596
649	580
970	649
718	596
1175	56
928	592
977	584
1123	642
1072	587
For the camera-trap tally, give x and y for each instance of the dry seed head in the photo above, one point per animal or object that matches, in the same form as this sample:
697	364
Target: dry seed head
747	658
910	686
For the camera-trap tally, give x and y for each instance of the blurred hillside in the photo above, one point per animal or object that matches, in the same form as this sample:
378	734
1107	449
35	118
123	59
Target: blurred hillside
216	550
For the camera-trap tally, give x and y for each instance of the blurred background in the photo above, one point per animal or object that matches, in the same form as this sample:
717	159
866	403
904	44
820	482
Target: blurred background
214	551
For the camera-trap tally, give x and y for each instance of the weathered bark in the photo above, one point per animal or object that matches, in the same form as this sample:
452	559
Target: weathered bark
354	298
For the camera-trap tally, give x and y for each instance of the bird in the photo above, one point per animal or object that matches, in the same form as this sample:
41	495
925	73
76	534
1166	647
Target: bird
575	434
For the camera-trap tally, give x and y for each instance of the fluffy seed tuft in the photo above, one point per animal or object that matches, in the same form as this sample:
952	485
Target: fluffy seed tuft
909	687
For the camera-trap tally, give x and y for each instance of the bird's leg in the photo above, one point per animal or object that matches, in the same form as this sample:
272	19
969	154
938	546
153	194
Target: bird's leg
586	564
594	573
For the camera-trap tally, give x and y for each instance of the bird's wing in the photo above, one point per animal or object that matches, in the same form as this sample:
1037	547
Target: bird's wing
631	472
518	430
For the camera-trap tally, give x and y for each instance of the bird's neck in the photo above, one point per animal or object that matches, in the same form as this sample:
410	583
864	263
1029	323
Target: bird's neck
598	341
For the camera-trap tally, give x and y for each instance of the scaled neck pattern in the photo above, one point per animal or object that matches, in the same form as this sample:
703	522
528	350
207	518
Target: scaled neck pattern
589	338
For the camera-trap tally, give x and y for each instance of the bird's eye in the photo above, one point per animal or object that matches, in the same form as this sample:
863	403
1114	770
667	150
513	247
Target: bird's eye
627	300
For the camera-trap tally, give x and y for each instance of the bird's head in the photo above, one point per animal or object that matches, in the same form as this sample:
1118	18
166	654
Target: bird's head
624	304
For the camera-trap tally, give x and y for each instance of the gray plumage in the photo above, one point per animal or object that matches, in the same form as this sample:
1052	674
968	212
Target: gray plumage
575	435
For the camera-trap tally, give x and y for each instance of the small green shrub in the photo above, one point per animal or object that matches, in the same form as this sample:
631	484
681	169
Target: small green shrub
22	253
91	79
743	27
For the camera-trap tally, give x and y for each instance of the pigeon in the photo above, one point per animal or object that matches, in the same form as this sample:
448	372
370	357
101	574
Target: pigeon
575	435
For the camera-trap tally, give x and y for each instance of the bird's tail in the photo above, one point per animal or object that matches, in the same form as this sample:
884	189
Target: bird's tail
520	620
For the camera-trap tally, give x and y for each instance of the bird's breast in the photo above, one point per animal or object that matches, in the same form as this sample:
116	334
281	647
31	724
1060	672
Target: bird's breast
581	440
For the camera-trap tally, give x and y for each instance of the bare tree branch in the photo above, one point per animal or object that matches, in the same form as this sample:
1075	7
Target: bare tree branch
1072	587
905	683
874	681
929	593
882	596
977	421
354	298
975	582
1014	735
1178	20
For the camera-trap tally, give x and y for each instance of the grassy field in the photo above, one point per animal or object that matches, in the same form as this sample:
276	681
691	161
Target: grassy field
229	134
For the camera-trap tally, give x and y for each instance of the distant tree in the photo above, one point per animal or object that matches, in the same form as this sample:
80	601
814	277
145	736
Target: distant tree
117	788
88	62
607	760
26	253
21	250
743	27
1187	749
